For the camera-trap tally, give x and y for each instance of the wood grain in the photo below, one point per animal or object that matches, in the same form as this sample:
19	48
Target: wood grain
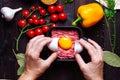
58	70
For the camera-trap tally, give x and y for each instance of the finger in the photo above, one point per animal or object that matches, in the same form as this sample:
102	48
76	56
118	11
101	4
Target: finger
37	37
32	41
94	44
99	53
37	42
99	49
90	48
38	46
79	60
51	58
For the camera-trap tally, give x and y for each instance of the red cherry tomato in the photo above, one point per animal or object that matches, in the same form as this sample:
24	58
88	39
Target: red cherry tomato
25	13
31	33
54	18
34	16
51	9
53	25
36	21
42	12
38	31
30	20
45	29
59	8
62	16
22	23
41	21
33	8
39	8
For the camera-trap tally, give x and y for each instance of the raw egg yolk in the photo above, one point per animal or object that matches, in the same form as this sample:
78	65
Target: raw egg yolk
65	42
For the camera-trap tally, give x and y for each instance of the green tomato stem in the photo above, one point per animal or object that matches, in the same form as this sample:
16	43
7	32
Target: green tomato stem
36	27
30	14
14	52
74	23
17	40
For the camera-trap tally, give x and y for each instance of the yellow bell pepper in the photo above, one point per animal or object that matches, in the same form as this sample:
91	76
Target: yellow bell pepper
89	14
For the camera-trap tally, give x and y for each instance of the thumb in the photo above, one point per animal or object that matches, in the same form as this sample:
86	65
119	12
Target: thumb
52	57
79	60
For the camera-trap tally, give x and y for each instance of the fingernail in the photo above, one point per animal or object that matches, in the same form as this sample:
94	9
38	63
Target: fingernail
86	39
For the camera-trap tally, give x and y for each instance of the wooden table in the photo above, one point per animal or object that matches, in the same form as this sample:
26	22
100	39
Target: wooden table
58	70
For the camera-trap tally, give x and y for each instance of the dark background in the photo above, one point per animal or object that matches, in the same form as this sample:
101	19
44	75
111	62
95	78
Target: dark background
58	70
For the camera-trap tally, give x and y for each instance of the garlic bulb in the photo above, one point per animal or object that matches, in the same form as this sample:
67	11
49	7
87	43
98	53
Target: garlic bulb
8	13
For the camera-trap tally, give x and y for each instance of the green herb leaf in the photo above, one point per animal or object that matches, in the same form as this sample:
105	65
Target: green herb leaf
67	1
111	4
111	59
70	1
21	62
20	70
109	13
20	56
20	59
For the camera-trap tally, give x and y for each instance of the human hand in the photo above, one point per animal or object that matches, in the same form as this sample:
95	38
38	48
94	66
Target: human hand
92	70
36	66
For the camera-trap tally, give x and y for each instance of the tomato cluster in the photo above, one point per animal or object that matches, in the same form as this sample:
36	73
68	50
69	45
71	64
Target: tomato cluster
37	31
35	22
57	13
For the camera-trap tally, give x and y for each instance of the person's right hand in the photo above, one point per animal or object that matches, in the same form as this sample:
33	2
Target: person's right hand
92	70
34	65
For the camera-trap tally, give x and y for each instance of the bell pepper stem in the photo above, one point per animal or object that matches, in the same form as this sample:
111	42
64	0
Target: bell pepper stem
74	23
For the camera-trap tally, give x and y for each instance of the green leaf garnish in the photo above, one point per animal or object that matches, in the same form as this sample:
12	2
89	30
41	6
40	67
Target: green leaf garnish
111	59
67	1
20	59
20	70
109	13
111	4
21	62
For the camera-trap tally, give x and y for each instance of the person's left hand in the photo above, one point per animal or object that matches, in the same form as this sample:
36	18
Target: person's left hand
36	66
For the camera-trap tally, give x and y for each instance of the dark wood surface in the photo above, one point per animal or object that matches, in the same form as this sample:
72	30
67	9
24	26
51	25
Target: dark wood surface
58	70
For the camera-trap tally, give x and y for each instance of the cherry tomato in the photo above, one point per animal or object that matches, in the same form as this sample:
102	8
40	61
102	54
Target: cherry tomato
22	23
25	13
53	25
45	29
41	21
33	8
54	18
42	12
39	8
31	33
38	31
34	16
36	21
30	20
51	9
62	16
59	8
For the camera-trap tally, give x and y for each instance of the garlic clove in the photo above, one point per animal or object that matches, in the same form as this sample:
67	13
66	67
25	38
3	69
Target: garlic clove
8	13
78	47
53	46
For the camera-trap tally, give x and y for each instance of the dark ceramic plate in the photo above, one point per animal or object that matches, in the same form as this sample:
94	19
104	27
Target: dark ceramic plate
80	35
